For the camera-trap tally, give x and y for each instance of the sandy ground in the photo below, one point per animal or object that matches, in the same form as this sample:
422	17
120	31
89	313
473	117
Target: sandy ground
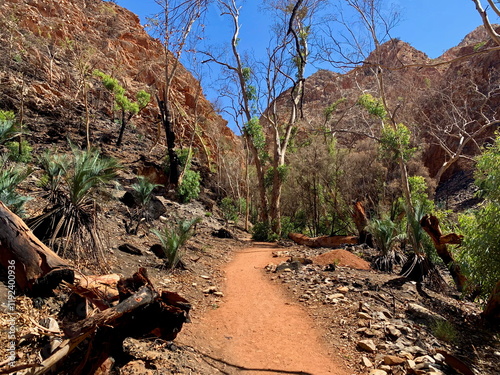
258	329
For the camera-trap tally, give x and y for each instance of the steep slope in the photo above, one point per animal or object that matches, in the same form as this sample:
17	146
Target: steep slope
46	63
445	98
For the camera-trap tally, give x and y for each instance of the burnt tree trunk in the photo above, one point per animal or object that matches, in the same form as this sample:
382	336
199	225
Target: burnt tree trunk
361	221
430	224
166	120
492	310
21	251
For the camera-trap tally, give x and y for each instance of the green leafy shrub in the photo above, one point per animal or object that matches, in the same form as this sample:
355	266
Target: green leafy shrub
384	232
263	232
25	156
444	330
173	238
480	250
189	188
8	129
229	209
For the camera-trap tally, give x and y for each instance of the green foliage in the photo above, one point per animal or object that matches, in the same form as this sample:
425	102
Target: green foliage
396	142
189	188
262	231
288	225
144	190
374	106
55	166
8	129
173	238
121	100
384	234
229	209
480	250
11	175
254	130
283	172
418	190
86	172
73	179
478	46
444	330
143	98
332	108
26	151
247	74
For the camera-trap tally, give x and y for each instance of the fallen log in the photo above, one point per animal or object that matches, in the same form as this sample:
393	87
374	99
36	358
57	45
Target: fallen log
323	241
142	311
430	224
27	257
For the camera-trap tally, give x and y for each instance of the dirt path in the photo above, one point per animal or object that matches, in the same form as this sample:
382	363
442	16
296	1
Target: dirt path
257	329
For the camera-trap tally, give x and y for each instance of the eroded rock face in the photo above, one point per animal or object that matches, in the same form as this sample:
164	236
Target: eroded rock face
50	50
418	86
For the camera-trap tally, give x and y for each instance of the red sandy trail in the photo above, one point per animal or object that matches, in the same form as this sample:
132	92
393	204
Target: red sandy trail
258	329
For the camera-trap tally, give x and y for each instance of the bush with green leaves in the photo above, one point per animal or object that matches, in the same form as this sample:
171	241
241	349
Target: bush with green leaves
229	209
172	239
21	154
11	175
444	330
479	254
74	179
189	188
8	128
262	231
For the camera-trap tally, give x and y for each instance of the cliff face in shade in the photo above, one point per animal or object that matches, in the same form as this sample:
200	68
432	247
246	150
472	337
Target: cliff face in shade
49	50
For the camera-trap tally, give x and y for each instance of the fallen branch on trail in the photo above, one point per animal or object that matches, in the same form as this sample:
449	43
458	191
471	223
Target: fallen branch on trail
323	241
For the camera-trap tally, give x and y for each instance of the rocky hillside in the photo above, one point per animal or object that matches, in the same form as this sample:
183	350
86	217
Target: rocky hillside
442	100
49	52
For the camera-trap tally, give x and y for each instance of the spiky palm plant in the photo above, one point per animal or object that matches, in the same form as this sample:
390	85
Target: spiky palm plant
75	179
384	232
173	238
143	189
11	175
8	129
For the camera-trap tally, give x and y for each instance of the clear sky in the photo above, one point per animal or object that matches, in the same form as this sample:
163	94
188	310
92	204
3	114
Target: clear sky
431	26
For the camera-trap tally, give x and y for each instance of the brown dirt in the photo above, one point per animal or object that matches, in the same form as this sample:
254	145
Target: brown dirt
258	329
343	258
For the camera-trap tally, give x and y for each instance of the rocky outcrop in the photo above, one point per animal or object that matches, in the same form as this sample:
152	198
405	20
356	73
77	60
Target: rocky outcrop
49	51
418	86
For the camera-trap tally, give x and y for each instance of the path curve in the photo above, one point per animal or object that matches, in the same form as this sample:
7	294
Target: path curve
258	329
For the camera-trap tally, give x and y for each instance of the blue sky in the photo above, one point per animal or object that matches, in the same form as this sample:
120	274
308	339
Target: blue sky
431	26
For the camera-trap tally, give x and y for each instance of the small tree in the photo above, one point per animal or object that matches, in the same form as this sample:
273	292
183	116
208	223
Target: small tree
480	251
127	107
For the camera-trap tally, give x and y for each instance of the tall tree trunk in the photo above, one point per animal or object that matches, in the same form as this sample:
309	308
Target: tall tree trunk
166	119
